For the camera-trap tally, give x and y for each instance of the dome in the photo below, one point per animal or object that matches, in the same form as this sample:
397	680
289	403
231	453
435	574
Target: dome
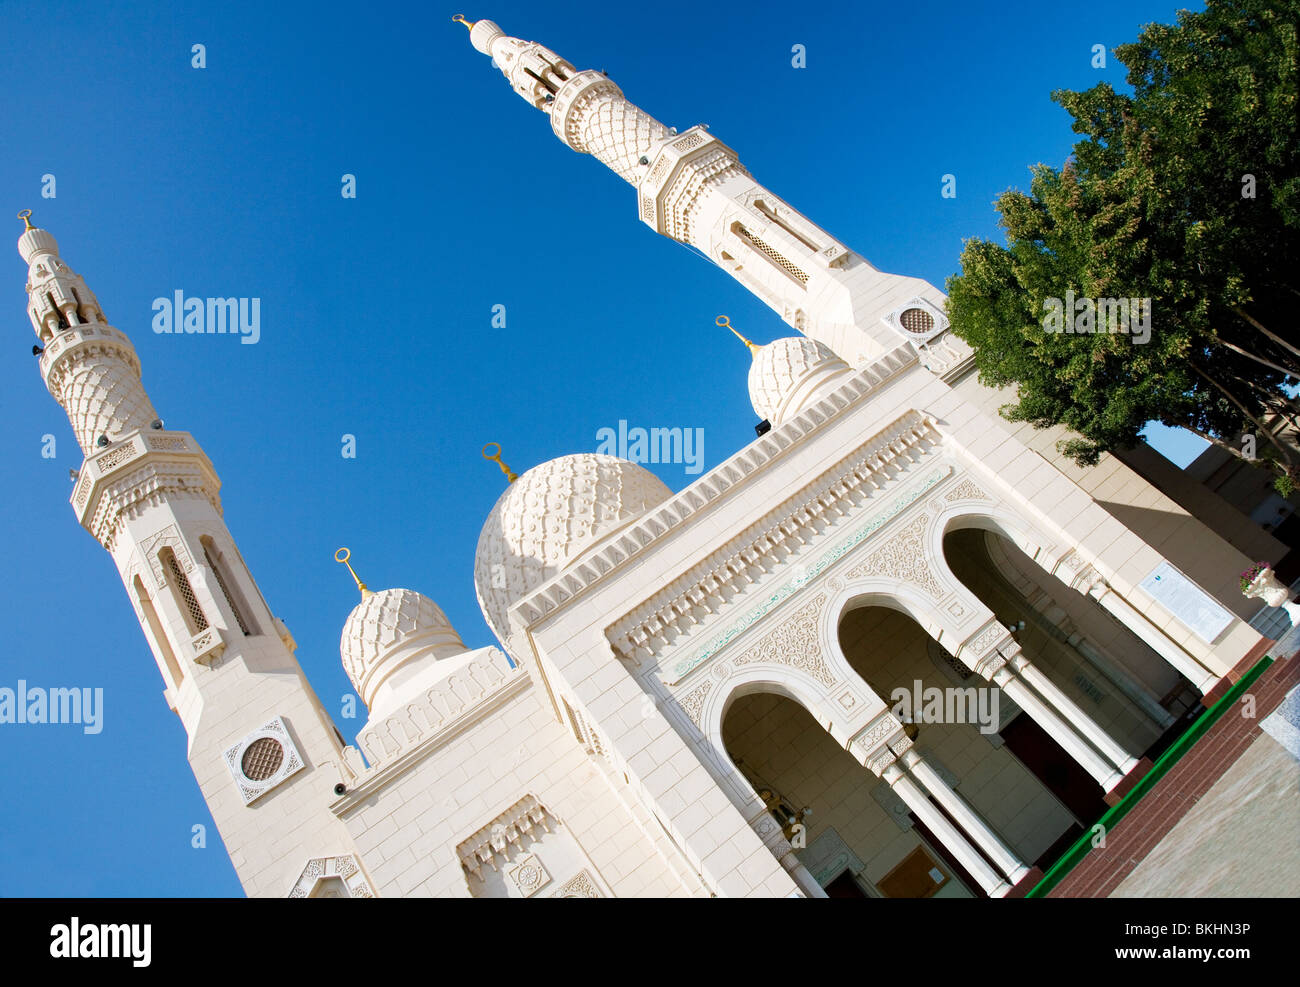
396	630
36	241
547	517
787	372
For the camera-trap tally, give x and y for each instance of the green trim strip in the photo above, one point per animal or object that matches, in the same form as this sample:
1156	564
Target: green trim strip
1083	846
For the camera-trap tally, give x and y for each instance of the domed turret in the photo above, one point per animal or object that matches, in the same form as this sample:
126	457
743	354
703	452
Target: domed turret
390	638
788	374
547	517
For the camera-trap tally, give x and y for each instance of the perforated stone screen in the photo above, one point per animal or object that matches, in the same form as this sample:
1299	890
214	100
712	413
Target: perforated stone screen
917	320
262	759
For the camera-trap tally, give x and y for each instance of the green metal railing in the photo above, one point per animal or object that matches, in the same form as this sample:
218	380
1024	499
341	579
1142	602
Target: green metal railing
1083	846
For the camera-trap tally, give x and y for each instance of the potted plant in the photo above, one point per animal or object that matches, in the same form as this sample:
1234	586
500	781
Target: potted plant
1259	582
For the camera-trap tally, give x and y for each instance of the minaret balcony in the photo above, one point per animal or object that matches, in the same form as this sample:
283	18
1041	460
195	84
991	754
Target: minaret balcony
88	335
143	467
676	175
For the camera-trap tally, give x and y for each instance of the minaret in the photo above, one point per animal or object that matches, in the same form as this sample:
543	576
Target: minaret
265	754
692	187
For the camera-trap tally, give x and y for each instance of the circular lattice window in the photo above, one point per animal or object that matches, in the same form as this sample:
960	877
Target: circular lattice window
917	320
262	759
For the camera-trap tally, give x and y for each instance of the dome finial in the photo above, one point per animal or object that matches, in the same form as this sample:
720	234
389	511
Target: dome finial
496	458
723	321
25	216
460	19
342	555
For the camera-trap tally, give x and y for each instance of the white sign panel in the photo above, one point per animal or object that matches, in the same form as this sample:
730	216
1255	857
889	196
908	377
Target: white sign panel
1205	617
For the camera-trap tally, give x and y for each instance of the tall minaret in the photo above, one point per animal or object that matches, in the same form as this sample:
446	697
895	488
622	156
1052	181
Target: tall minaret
693	188
266	755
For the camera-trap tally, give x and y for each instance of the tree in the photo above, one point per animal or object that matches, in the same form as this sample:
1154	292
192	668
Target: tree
1185	192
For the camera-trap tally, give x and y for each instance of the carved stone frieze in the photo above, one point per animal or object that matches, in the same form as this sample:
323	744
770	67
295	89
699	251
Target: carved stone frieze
903	558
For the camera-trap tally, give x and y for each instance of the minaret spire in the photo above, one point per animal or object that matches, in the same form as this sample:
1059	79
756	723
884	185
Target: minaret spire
150	496
90	368
692	188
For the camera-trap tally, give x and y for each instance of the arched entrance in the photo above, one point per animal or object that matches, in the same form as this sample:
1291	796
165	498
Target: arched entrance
956	718
856	839
1105	669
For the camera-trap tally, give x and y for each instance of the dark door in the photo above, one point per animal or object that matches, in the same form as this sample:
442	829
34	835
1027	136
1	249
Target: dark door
1056	769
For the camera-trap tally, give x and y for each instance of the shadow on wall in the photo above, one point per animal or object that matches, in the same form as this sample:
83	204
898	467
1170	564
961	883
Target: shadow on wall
1211	563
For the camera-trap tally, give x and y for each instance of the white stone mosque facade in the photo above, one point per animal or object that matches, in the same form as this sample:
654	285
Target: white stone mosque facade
692	693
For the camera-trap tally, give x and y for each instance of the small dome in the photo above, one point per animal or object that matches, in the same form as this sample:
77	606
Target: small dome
393	631
36	241
787	372
482	34
547	517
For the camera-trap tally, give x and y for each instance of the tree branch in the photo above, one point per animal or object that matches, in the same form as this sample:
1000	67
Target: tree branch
1286	453
1260	326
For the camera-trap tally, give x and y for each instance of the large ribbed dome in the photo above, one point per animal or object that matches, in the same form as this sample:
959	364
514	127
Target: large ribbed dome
547	517
786	372
387	632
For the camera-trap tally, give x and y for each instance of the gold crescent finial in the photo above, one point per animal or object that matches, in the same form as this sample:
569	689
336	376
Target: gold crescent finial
460	19
25	216
723	321
342	555
496	458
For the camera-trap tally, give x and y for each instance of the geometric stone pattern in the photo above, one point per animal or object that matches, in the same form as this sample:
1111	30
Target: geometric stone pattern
320	869
256	782
779	366
385	619
546	517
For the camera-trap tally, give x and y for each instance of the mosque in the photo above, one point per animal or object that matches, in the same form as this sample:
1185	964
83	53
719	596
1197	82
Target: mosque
696	692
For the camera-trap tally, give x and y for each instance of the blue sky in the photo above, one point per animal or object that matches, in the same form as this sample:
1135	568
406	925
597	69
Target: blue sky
376	312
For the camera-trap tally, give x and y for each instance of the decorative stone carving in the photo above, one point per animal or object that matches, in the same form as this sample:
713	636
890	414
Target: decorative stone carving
528	875
794	642
495	842
781	366
693	702
321	869
903	558
168	537
796	578
967	489
547	517
207	646
265	768
581	886
389	622
471	691
874	735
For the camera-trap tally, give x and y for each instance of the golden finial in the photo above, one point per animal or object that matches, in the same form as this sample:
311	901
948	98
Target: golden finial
496	458
342	555
723	321
460	19
25	216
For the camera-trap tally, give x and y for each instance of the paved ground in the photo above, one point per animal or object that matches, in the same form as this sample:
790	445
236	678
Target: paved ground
1240	840
1241	843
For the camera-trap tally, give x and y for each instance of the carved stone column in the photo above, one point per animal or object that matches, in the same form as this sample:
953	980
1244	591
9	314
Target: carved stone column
967	818
994	668
1079	575
1062	703
935	821
1128	615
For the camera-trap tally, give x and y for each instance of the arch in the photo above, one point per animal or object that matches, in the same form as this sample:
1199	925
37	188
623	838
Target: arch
957	619
792	685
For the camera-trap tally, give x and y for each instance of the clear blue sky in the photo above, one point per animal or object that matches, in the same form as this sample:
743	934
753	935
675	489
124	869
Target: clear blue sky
376	312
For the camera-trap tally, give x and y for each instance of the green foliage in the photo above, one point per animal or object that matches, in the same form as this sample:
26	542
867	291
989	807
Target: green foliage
1150	205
